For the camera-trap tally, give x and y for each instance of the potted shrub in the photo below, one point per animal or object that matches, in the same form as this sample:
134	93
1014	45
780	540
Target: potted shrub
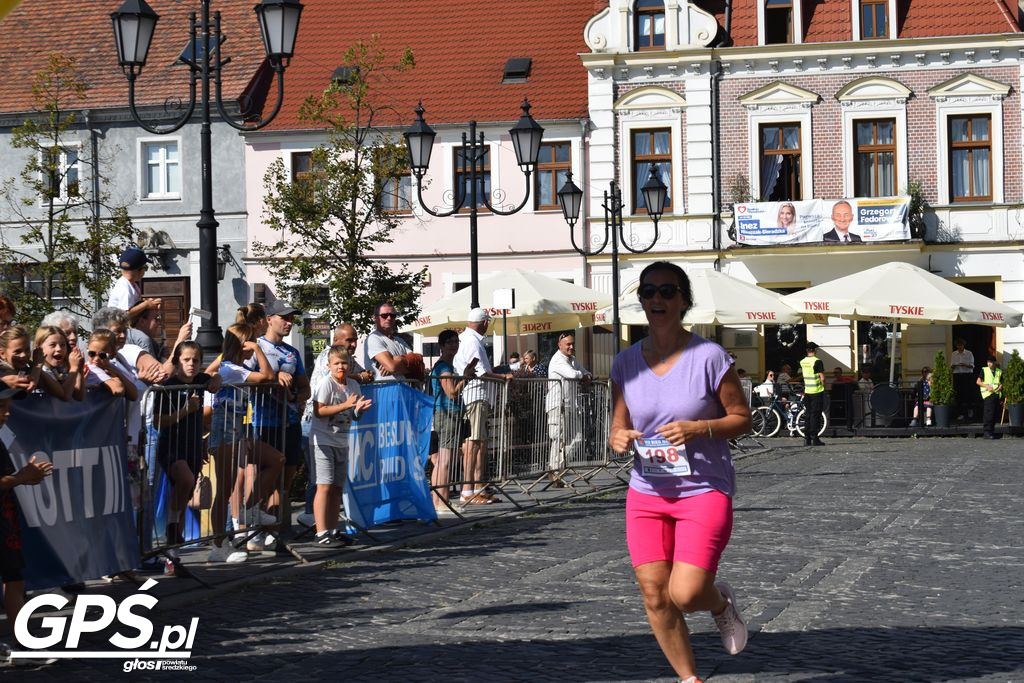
1013	389
942	390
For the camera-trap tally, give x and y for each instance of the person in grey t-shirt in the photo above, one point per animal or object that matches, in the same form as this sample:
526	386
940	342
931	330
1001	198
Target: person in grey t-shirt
384	350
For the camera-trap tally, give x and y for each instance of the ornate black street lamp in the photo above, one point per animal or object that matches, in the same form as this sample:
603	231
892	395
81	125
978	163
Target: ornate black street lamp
134	25
570	198
471	159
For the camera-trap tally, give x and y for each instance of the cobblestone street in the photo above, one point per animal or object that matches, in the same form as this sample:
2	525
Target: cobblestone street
866	560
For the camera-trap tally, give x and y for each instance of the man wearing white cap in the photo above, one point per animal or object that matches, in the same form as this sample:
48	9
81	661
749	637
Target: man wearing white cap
478	399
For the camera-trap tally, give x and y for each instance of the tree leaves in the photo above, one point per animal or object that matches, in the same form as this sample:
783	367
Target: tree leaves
331	221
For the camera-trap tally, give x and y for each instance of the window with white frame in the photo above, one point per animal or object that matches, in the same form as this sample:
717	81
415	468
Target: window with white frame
396	194
875	135
781	162
161	173
970	158
62	168
650	127
779	22
553	167
779	125
874	22
874	157
873	19
652	151
969	127
649	33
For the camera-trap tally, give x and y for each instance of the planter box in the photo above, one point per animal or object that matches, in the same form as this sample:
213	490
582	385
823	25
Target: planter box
1016	413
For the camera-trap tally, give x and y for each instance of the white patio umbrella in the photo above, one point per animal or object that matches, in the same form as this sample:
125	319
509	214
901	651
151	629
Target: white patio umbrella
902	293
718	299
543	304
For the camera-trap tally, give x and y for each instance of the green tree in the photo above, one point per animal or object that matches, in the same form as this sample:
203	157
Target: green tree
1013	379
942	381
60	244
333	219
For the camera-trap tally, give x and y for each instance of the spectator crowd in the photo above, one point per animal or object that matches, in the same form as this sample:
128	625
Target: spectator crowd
246	414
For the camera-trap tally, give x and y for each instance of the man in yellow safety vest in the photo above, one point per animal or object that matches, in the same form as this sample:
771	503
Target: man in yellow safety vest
813	371
990	379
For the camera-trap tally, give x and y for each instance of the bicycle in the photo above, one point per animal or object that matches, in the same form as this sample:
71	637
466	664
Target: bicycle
767	420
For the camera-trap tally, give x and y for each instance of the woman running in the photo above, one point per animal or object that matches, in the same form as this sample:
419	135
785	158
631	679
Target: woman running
676	403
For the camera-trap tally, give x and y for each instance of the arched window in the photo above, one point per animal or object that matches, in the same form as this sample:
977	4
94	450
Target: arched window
650	25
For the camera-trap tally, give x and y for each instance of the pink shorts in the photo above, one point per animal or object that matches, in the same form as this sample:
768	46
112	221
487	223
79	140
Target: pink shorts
694	530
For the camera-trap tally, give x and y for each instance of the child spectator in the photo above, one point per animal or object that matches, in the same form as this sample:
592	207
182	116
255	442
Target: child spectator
179	419
63	372
227	434
12	562
447	388
924	393
16	368
336	403
101	352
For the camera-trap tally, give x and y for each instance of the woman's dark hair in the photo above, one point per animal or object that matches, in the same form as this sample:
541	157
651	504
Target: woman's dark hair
186	345
681	276
446	336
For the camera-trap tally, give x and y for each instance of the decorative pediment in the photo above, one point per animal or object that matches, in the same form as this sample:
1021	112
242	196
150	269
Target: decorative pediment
874	88
969	86
596	32
650	97
779	94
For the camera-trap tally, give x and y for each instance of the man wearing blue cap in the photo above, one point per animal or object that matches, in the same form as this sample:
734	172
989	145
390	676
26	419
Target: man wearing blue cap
126	293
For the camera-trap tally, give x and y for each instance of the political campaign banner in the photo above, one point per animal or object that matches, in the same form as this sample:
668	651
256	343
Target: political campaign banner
388	449
78	523
843	221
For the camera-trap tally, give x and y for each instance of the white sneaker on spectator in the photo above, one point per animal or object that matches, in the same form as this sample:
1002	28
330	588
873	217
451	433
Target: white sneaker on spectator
255	544
305	519
226	553
730	624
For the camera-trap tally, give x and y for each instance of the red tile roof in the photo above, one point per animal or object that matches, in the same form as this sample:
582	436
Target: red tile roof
830	21
920	19
460	48
82	30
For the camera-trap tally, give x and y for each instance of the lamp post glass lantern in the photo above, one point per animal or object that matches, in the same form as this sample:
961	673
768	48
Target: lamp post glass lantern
570	199
471	159
134	25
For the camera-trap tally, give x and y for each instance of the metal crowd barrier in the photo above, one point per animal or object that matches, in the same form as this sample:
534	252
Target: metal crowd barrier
187	440
540	433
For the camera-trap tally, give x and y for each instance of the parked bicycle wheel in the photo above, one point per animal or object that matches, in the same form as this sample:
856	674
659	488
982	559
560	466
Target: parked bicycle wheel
766	421
801	422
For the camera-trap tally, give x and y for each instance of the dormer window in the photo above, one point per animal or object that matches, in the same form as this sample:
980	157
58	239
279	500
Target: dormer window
778	21
650	25
873	19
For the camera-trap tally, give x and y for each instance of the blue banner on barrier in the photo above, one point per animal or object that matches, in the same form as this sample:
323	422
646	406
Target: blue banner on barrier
388	448
76	525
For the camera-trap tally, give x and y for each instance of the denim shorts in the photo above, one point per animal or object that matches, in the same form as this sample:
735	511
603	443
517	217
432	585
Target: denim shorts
226	428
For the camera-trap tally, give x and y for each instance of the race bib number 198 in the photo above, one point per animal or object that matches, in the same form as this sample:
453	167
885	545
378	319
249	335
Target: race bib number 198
659	458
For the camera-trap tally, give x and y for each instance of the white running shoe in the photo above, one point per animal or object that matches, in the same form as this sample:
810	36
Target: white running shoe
730	624
226	553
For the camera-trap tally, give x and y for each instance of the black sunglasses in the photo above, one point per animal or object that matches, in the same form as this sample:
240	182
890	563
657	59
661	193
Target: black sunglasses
102	355
666	291
386	315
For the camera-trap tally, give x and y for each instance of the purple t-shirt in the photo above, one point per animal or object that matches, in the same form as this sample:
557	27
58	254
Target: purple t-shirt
689	391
